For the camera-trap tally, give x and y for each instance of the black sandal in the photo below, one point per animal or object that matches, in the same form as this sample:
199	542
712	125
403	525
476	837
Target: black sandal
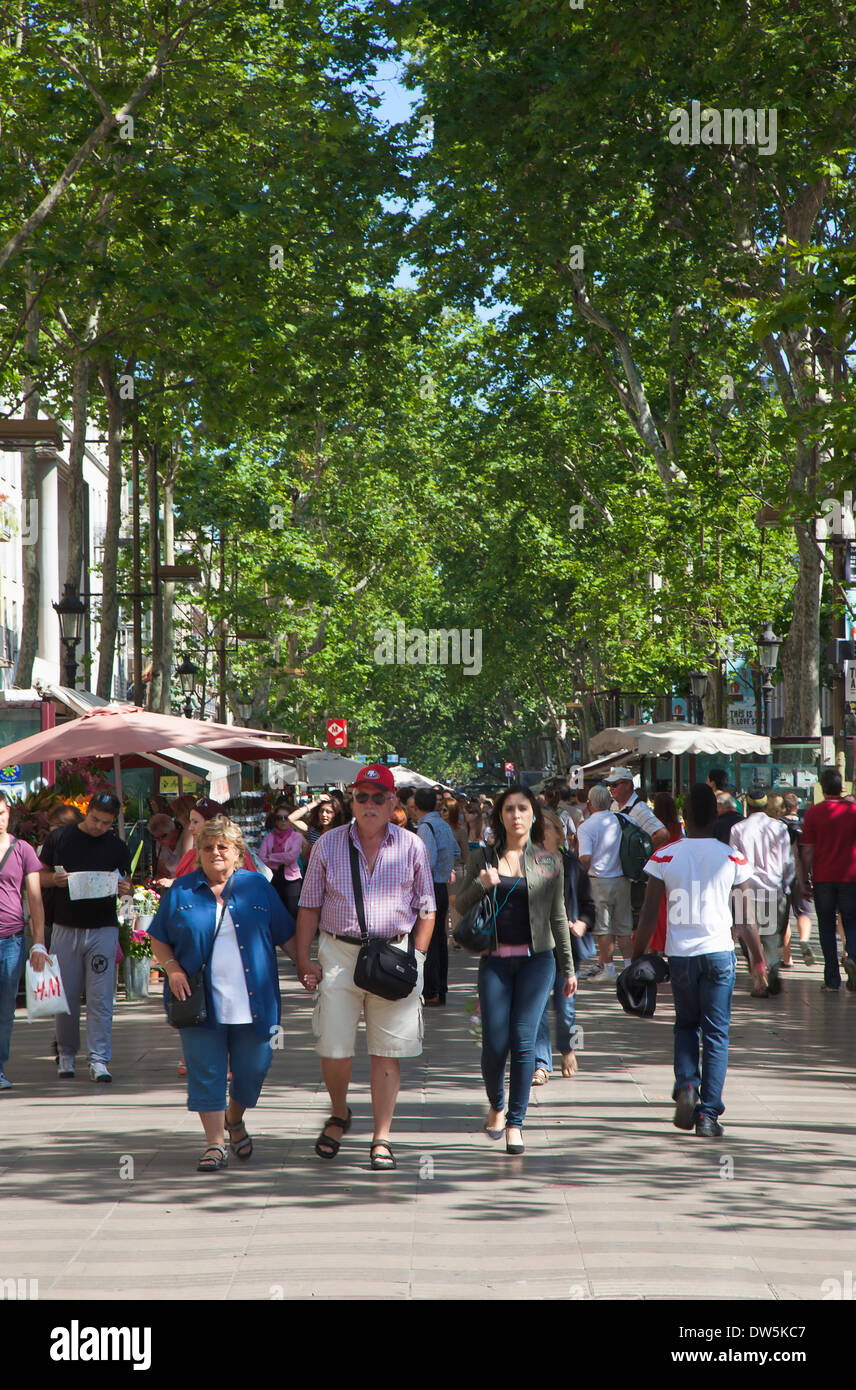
383	1162
213	1164
325	1145
242	1148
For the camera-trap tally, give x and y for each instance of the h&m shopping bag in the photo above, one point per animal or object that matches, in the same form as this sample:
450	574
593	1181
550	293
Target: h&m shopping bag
45	994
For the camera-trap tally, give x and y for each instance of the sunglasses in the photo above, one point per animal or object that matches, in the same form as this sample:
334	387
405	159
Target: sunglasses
378	798
280	818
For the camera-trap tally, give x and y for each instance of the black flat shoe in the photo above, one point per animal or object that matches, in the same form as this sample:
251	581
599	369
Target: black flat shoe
513	1148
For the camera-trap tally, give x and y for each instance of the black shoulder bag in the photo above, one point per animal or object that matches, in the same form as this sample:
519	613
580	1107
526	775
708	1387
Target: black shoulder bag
380	968
476	930
190	1012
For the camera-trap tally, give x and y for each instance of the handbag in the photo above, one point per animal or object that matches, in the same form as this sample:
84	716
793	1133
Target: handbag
192	1011
380	968
476	930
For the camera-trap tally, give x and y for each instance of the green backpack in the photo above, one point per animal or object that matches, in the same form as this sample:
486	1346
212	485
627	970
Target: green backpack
636	848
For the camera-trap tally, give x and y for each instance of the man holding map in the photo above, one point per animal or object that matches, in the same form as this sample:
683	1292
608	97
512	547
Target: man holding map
88	865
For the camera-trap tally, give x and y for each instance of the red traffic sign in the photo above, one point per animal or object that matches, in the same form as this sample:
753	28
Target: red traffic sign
337	733
509	769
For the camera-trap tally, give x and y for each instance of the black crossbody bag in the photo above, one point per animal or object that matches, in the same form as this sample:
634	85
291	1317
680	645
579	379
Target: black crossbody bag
380	968
190	1012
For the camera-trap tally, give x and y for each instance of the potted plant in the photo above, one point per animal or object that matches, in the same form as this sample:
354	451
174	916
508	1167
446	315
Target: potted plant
137	964
145	902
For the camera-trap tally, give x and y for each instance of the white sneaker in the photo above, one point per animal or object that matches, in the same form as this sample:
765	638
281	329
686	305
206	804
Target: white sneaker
5	1083
65	1064
609	971
98	1072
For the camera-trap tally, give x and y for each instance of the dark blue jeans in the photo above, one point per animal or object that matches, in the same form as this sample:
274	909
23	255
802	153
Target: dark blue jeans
436	979
513	991
565	1015
702	987
11	965
829	899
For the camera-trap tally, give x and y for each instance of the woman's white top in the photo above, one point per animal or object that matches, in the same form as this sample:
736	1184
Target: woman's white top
228	981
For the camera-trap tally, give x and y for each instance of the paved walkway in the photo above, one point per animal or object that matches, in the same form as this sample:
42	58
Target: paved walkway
610	1200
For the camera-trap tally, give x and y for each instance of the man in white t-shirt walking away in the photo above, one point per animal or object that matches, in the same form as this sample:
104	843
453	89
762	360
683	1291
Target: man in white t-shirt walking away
599	845
766	846
698	874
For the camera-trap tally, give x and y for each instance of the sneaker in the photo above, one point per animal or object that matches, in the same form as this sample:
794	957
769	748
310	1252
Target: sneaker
686	1103
774	983
829	989
593	972
609	971
98	1072
850	972
5	1083
706	1127
807	953
65	1064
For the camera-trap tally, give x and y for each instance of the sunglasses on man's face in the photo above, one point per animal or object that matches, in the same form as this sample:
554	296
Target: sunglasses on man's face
377	797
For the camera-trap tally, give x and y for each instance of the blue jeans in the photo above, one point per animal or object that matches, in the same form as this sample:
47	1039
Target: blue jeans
829	899
565	1014
702	987
513	991
11	965
211	1052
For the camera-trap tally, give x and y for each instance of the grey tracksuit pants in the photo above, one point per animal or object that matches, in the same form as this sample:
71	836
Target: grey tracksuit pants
87	959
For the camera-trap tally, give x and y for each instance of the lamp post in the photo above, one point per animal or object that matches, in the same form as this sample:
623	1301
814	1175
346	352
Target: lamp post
71	611
244	706
768	656
187	673
698	683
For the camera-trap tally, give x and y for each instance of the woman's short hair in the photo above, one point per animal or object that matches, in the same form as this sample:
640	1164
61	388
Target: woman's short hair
399	817
496	822
160	823
600	798
548	813
775	805
221	828
180	808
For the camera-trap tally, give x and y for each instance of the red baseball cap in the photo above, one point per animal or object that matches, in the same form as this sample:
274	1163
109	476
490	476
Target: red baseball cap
376	775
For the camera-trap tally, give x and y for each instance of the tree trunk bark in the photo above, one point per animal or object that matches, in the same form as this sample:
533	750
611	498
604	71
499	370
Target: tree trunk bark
168	589
80	401
110	597
156	679
799	657
29	520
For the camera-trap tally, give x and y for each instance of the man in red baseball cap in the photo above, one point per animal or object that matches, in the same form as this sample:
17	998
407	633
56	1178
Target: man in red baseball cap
398	898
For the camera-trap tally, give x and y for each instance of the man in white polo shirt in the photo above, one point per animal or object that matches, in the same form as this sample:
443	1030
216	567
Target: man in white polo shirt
599	845
698	875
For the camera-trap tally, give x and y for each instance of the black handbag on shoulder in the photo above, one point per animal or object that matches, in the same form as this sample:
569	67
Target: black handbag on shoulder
380	968
190	1012
476	930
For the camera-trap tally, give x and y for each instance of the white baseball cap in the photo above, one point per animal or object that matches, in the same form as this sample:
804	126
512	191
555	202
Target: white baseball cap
619	774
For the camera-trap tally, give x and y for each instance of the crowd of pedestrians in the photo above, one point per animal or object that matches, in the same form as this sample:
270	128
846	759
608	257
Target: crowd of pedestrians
379	876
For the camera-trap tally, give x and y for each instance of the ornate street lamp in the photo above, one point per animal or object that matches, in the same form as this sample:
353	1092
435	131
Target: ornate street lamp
187	673
768	656
698	683
244	706
71	610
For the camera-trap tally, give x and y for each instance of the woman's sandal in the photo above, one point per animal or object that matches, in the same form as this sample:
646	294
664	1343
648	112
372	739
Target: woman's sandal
325	1145
540	1077
242	1148
214	1163
385	1161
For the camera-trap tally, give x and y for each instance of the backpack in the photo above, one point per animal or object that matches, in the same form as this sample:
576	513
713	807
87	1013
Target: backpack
636	848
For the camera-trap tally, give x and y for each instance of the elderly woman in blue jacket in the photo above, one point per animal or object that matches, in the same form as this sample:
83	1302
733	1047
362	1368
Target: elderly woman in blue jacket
241	916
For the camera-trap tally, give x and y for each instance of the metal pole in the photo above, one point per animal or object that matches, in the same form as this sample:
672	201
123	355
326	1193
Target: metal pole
221	704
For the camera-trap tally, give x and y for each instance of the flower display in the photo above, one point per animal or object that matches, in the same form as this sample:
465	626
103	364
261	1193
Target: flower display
139	944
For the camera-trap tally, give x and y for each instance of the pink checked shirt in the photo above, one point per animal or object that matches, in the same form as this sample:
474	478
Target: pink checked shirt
397	892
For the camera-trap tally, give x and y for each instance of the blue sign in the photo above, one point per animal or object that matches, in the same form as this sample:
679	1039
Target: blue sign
10	774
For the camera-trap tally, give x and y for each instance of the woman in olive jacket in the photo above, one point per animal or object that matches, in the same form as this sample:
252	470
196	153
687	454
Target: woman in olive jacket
517	974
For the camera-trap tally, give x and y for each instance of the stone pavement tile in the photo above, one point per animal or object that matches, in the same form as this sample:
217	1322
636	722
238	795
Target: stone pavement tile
661	1286
288	1290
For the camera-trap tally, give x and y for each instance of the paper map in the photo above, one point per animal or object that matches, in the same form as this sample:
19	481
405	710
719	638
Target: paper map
93	883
